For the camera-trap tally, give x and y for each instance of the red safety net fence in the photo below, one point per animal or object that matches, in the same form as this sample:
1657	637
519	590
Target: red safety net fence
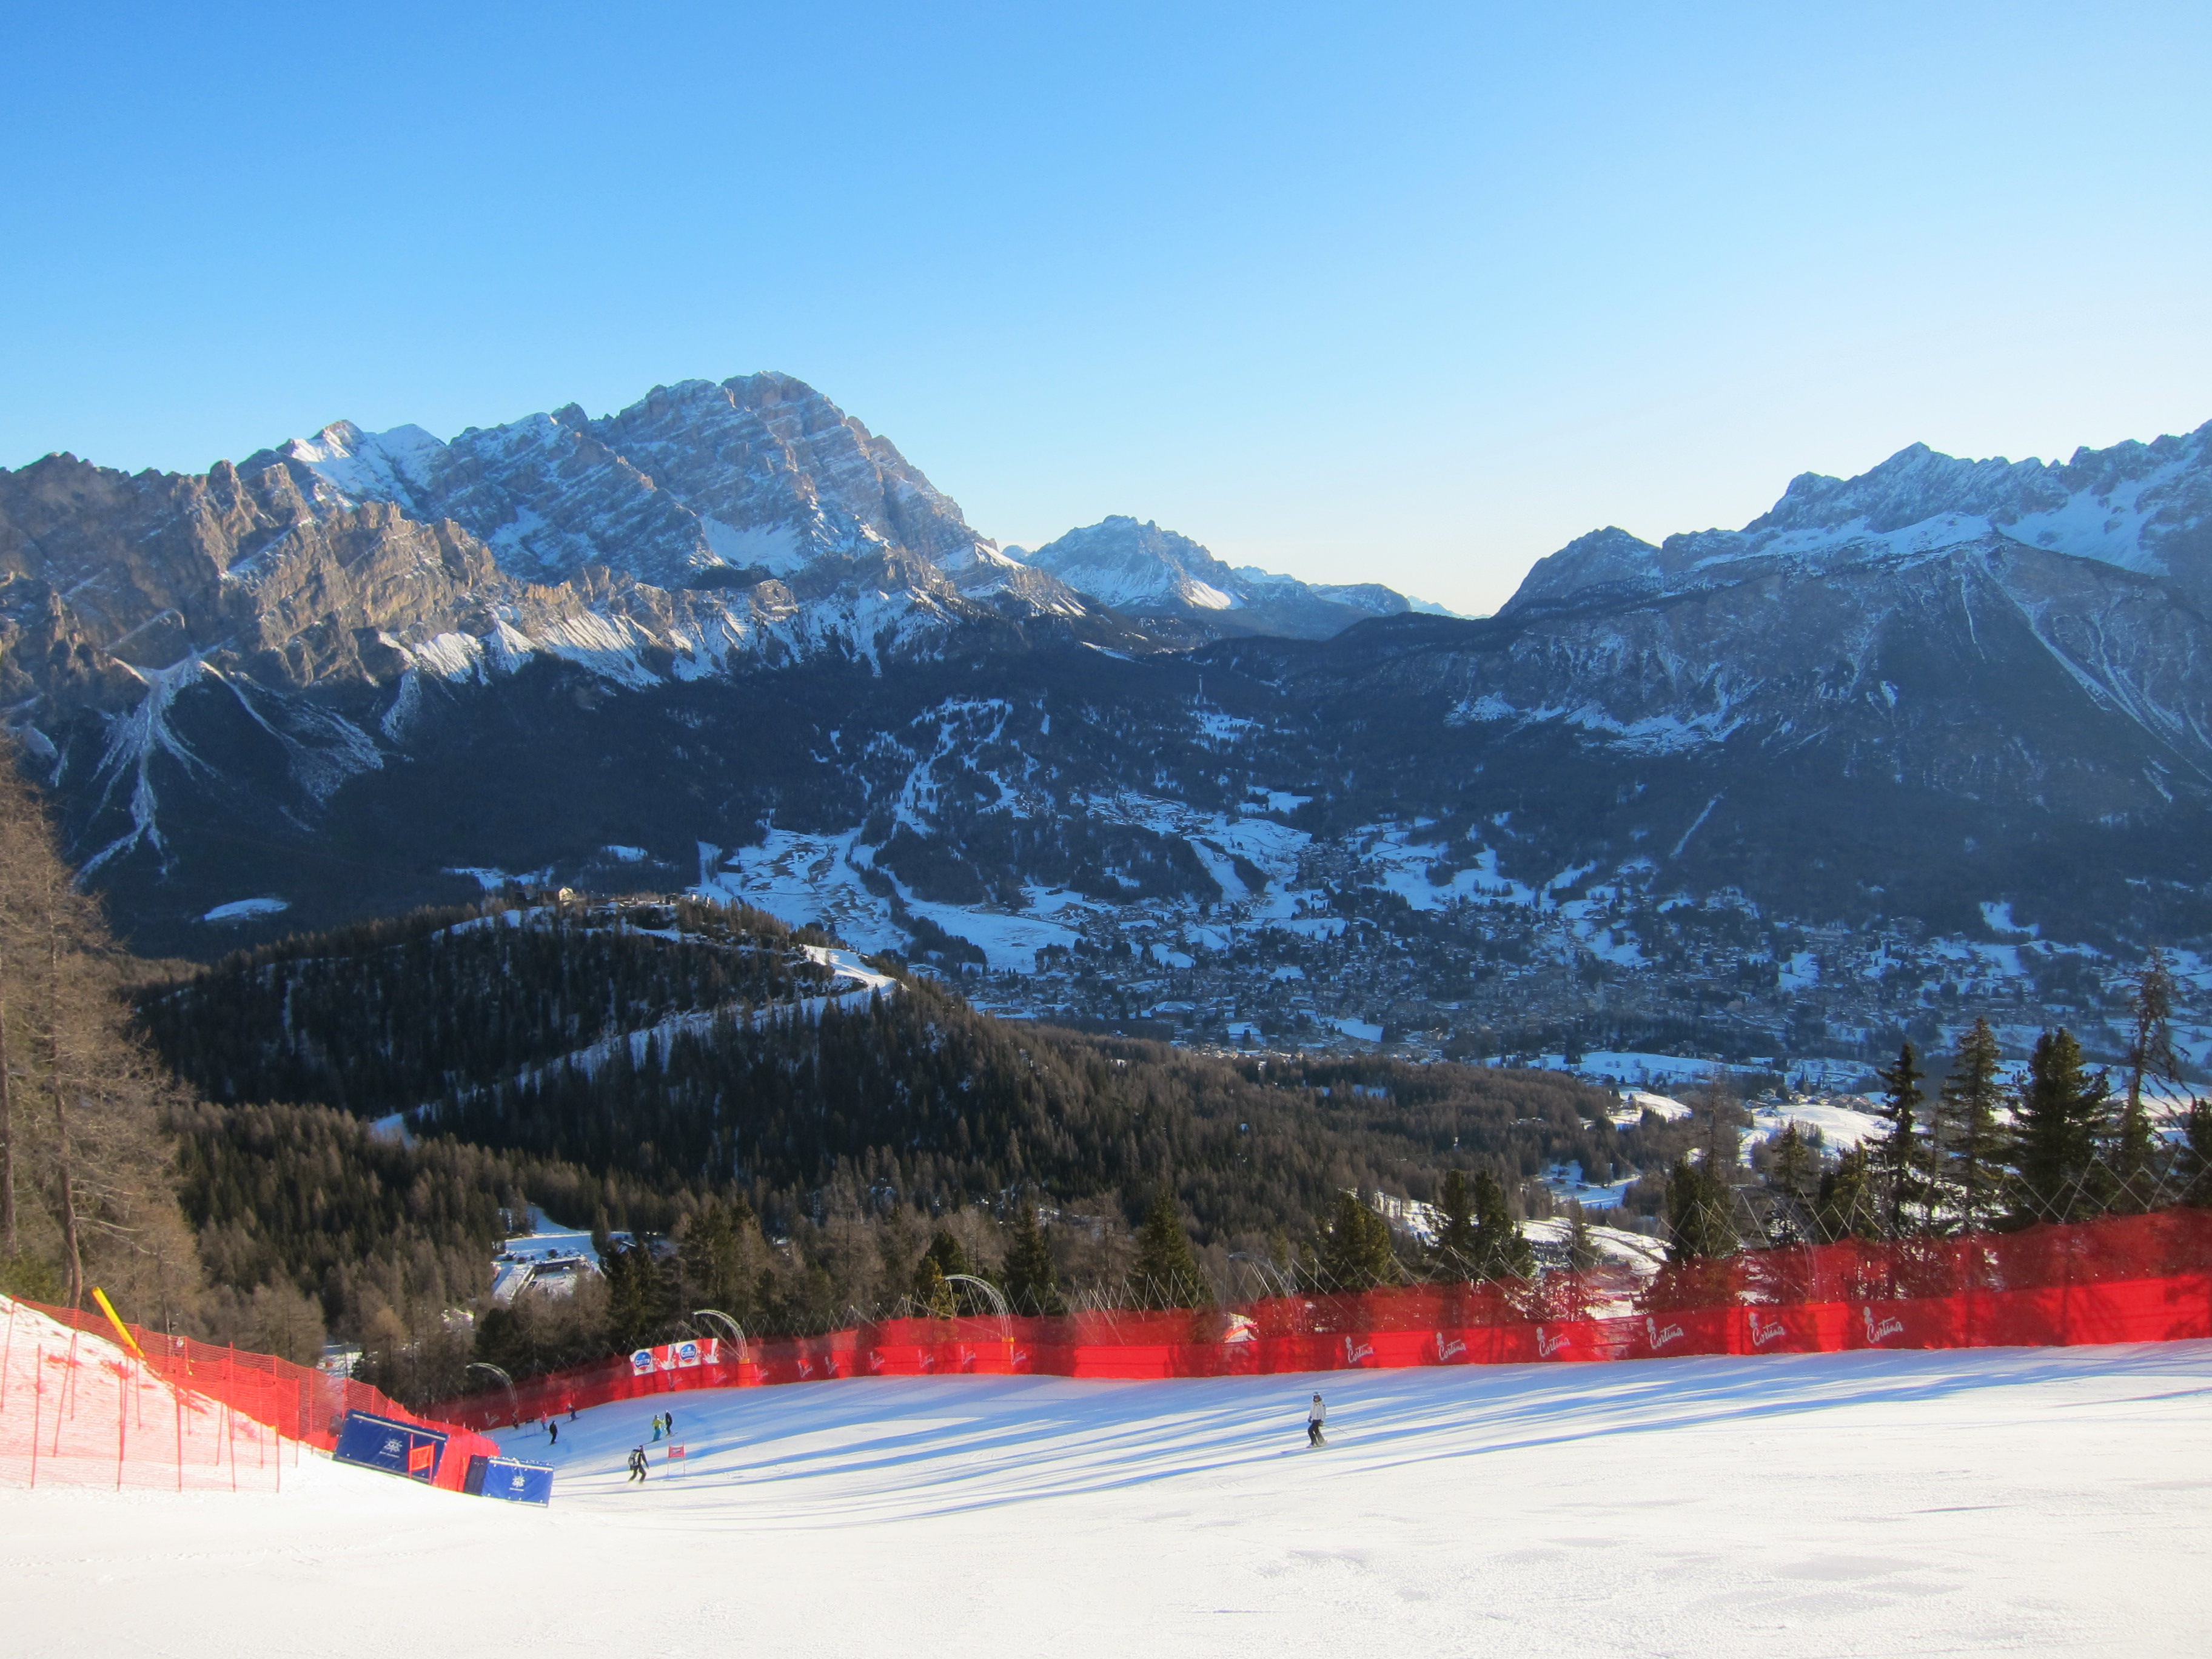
78	1408
2133	1279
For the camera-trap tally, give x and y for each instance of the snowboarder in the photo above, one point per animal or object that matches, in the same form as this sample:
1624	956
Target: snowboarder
1316	1414
637	1464
656	1425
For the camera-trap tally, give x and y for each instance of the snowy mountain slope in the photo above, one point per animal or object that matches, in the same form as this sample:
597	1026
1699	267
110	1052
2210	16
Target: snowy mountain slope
1986	666
1871	1502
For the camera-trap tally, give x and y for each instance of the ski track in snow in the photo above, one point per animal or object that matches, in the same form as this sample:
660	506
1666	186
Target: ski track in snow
2013	1500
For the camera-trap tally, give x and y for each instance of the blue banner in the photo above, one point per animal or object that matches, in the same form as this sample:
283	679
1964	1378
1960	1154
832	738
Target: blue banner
401	1449
508	1479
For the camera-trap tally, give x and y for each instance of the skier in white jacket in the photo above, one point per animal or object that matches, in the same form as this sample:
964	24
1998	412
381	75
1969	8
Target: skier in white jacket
1316	1414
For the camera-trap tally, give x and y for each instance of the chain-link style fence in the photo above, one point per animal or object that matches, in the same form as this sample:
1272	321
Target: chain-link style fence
2123	1278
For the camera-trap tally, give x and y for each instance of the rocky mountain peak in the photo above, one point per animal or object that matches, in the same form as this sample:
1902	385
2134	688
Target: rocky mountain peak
1140	567
2144	508
690	484
1607	563
1914	485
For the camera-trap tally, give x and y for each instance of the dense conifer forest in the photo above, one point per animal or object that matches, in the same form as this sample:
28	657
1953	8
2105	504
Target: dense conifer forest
384	1017
634	1049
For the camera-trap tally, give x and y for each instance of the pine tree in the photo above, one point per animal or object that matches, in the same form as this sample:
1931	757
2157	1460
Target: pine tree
637	1296
1453	1253
933	1275
1700	1211
2061	1119
1974	1148
2150	1057
1716	1121
721	1253
1848	1206
1582	1248
933	1296
1166	1272
1032	1287
1793	1166
1500	1252
1895	1156
1356	1252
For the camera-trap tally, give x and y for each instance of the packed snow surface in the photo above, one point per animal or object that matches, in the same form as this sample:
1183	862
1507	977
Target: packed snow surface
2044	1501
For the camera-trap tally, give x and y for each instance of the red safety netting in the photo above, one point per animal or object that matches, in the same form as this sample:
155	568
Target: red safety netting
77	1408
2132	1279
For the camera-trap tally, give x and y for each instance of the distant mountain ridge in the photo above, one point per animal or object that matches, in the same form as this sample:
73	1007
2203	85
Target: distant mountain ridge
2142	507
702	486
728	640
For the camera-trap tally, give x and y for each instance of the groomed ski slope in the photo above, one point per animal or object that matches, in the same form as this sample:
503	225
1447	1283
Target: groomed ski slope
1991	1501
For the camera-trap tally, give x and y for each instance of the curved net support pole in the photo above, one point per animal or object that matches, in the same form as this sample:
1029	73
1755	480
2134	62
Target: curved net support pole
721	1321
992	1294
513	1410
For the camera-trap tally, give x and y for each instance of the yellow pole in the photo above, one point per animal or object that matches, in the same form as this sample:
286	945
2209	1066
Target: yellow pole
114	1319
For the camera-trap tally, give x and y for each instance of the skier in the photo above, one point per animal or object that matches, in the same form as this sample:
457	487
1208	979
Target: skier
1316	1414
637	1464
669	1418
552	1432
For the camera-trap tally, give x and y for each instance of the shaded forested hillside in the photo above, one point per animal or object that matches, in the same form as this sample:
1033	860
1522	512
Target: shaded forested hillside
506	1030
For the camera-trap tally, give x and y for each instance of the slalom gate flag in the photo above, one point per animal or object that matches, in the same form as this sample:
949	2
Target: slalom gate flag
676	1454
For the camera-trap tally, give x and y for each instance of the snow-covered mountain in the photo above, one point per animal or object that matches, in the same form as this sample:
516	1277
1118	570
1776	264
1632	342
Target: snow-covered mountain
1160	577
727	638
696	485
2141	508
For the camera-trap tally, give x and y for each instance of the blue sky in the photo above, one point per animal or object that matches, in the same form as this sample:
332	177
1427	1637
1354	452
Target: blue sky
1409	293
